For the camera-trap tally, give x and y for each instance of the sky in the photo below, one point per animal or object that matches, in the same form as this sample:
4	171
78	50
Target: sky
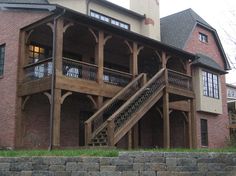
219	14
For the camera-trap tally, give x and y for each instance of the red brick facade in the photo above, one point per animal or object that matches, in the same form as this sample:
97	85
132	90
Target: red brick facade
11	22
217	124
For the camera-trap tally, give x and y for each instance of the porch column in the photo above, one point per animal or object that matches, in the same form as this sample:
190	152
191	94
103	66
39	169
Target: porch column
134	60
56	93
163	59
166	120
57	118
100	56
193	123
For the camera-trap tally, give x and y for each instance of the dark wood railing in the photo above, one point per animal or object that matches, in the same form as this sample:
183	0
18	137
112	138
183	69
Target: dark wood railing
38	70
116	77
79	69
180	80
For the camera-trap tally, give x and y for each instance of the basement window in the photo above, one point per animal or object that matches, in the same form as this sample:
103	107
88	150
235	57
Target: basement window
204	132
203	38
2	57
110	20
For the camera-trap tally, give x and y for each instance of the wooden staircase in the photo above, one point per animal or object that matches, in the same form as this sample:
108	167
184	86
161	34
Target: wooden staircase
110	123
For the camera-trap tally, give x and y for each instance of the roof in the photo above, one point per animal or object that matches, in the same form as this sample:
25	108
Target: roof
176	29
208	62
25	1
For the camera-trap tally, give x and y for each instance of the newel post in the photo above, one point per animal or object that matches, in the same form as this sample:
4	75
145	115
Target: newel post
110	132
88	132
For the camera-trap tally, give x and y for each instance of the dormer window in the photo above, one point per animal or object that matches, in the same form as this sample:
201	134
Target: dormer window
203	38
110	20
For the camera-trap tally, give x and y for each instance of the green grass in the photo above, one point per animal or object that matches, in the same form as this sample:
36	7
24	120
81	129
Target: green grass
69	152
97	152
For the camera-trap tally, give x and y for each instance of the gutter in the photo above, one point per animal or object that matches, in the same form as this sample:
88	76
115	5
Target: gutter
53	82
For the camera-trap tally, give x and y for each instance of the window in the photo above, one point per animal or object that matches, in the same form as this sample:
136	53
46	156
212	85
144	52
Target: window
210	84
204	132
36	54
203	38
110	20
2	56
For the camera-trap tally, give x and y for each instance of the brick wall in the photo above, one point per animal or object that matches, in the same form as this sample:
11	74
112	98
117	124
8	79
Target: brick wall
126	164
11	22
217	124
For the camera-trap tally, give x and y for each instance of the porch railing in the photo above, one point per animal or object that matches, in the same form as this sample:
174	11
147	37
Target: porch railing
38	70
232	118
179	80
79	69
116	77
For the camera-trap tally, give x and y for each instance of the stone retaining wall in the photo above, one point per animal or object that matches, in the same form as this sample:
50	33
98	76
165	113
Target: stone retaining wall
126	164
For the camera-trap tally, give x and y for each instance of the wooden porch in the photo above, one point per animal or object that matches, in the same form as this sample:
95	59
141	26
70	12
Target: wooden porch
111	70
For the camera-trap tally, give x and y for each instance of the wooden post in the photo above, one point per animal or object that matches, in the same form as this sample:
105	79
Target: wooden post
100	56
134	60
130	141
56	93
110	132
57	118
136	136
193	123
59	46
163	59
190	130
21	76
88	132
166	120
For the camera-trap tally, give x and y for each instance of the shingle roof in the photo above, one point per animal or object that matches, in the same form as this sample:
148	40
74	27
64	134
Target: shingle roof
25	1
175	29
208	62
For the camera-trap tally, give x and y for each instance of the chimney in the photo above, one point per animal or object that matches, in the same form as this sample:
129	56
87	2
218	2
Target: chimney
151	24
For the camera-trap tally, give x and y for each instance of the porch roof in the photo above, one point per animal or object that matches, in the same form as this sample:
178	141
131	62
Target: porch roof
90	21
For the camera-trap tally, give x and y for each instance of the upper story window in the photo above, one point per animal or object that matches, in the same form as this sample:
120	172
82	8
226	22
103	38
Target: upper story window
203	38
37	53
231	93
110	20
2	57
210	84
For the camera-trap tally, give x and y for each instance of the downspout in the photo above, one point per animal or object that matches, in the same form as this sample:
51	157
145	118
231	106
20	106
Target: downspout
87	7
53	81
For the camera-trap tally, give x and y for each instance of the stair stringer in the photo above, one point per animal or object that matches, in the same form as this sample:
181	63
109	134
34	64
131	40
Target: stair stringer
138	115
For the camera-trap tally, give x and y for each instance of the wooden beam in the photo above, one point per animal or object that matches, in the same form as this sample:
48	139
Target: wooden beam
100	56
180	106
57	118
135	136
193	123
134	60
166	120
59	45
190	130
86	86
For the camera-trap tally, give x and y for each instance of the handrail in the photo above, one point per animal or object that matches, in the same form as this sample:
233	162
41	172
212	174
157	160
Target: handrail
37	63
89	132
114	98
135	95
117	71
80	62
179	73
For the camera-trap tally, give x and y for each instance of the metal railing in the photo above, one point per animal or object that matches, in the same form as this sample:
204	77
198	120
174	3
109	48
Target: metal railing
116	77
38	70
79	69
179	80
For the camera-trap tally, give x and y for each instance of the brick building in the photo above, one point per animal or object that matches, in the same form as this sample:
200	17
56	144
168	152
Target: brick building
99	75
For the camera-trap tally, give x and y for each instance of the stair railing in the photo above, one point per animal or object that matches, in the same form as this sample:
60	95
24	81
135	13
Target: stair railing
123	114
96	122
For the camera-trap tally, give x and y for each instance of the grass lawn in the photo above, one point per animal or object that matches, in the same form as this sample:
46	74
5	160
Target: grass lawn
96	152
